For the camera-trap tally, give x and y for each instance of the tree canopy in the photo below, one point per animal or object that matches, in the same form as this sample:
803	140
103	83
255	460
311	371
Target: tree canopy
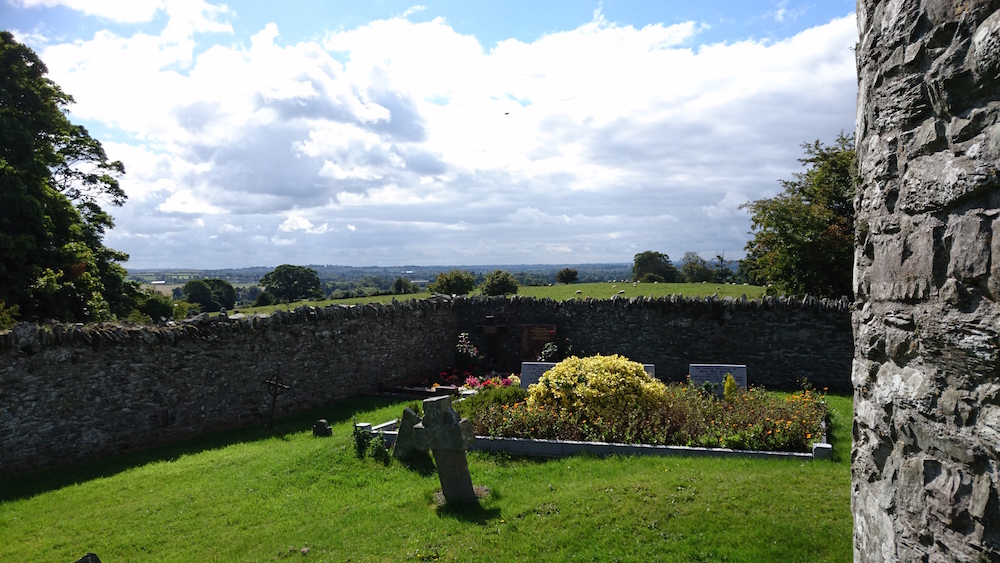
291	283
652	266
695	269
455	282
567	275
803	238
499	282
53	177
211	294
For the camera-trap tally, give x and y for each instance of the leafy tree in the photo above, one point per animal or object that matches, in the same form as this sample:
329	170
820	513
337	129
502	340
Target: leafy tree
263	299
211	294
197	291
694	268
567	276
499	282
403	285
651	266
53	174
223	292
455	282
156	305
290	283
803	238
722	272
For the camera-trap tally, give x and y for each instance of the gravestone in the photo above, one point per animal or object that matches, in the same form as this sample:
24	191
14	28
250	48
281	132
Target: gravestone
322	428
408	443
534	337
926	440
531	372
448	436
716	373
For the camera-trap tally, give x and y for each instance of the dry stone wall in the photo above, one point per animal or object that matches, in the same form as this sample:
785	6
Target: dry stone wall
781	340
926	485
74	392
71	392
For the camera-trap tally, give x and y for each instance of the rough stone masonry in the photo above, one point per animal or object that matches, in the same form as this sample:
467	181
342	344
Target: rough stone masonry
925	483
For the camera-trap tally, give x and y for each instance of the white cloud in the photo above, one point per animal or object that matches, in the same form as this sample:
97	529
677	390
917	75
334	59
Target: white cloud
584	144
299	223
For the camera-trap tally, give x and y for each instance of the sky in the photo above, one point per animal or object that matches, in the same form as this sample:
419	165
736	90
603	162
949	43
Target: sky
384	132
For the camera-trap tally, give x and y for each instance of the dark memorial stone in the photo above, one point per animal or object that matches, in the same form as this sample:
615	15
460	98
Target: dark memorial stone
534	337
322	428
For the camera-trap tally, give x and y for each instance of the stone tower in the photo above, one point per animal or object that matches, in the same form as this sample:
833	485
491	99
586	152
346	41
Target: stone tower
926	374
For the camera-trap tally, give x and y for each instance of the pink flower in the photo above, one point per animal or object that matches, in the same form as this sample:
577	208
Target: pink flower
506	382
471	382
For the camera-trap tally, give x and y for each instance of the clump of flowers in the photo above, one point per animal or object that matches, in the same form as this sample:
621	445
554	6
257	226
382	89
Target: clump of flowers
492	381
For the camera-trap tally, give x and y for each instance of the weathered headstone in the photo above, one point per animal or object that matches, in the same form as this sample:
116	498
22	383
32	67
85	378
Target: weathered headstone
531	372
408	443
448	436
534	337
322	428
926	440
716	373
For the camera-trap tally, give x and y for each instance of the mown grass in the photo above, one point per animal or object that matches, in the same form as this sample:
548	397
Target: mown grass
249	496
556	292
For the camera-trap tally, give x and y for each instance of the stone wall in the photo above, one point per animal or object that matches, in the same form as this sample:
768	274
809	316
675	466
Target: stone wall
71	392
780	340
927	280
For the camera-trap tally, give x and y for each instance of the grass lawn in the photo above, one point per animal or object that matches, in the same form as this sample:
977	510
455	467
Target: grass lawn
246	495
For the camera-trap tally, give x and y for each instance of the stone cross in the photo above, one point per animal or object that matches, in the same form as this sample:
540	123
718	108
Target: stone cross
277	386
448	436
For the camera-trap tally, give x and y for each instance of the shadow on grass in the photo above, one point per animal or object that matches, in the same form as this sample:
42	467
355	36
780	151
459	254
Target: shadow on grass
422	464
472	513
33	483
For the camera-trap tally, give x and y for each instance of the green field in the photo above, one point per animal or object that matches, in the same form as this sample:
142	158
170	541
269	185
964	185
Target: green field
559	293
251	496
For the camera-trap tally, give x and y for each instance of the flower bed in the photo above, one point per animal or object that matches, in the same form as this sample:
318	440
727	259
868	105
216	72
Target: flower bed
753	420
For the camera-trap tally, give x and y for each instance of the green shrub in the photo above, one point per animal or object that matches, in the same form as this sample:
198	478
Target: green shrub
730	389
8	315
597	386
490	396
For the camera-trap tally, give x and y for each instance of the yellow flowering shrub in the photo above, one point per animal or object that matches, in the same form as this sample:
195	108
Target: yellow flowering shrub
597	386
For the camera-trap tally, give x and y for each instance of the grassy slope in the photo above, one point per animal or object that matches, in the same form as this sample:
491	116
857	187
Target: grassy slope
246	496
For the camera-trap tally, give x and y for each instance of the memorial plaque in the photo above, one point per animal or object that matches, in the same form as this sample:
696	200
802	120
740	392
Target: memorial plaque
534	338
716	373
531	372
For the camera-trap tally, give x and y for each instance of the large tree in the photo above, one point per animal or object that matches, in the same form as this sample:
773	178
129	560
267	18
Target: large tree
694	268
652	266
499	282
803	238
53	178
291	283
455	282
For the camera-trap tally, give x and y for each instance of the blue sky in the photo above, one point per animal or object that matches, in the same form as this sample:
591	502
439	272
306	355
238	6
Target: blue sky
444	132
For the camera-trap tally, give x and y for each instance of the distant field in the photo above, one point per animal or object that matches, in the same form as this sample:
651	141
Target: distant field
559	293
